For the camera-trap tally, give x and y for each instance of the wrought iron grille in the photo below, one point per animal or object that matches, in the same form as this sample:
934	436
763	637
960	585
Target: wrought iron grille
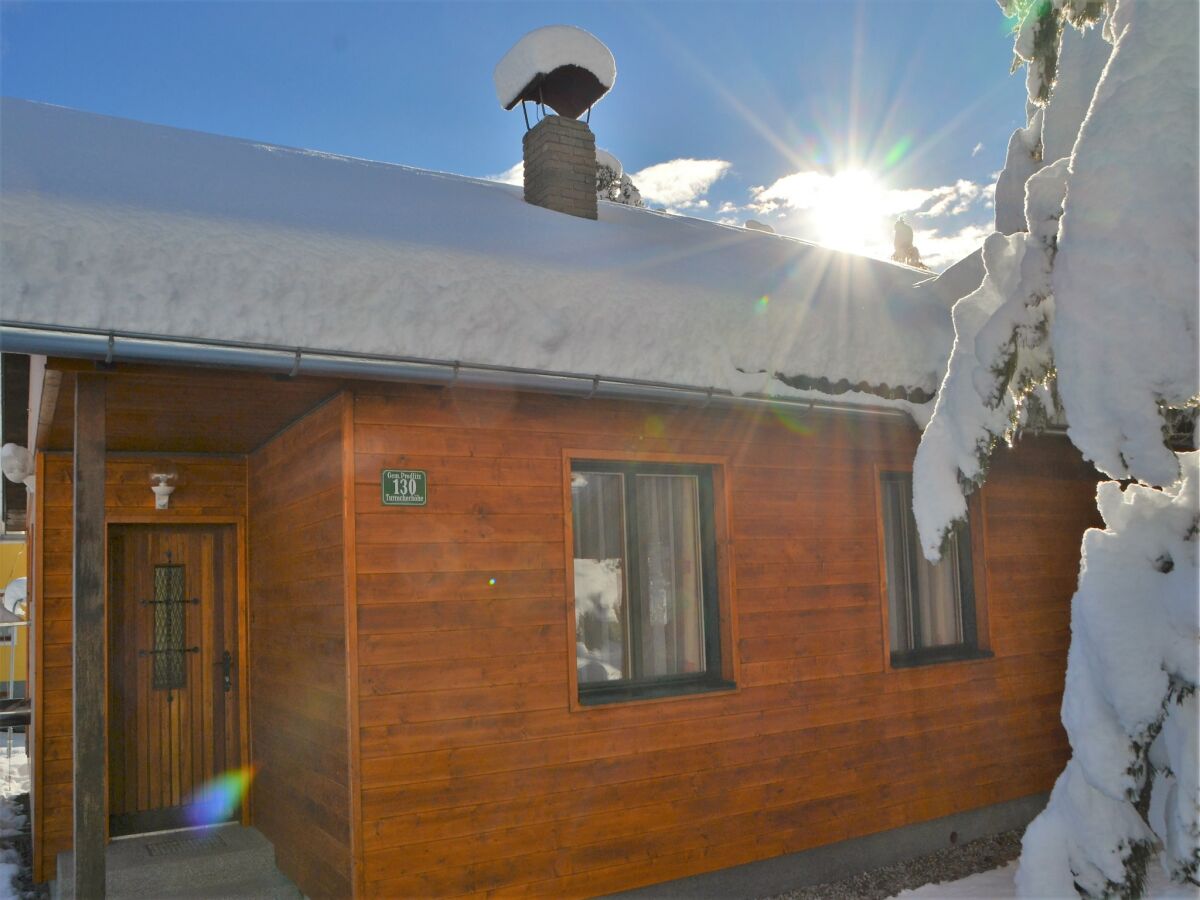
170	673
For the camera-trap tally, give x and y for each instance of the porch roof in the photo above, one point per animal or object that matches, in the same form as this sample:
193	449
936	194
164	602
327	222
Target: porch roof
111	225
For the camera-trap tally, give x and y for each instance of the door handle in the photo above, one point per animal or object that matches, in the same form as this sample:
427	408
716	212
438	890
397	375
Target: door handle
227	670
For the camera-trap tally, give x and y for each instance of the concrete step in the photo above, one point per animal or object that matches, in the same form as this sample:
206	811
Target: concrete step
274	886
228	861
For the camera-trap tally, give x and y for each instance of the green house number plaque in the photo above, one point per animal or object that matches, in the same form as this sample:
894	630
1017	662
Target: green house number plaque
404	487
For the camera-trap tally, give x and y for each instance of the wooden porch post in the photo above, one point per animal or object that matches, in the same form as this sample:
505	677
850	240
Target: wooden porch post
89	637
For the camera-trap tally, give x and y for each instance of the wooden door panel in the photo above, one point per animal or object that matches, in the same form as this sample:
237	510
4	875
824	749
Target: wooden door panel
169	714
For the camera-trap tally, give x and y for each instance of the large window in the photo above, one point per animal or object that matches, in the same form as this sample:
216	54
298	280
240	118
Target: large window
646	607
931	608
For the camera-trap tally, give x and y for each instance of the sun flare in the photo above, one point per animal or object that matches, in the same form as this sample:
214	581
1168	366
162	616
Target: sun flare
851	212
850	209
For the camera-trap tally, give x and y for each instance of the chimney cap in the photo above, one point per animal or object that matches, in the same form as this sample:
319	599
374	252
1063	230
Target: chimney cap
562	66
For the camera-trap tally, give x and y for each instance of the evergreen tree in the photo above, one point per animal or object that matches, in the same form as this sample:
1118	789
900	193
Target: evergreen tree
1088	313
616	186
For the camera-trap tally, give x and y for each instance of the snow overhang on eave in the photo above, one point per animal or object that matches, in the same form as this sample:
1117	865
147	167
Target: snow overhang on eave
118	347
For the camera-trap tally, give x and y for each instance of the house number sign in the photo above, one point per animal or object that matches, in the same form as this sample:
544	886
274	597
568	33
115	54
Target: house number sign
404	487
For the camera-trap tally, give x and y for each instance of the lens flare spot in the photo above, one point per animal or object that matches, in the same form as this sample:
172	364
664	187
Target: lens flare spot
791	419
761	306
654	427
492	582
219	799
898	151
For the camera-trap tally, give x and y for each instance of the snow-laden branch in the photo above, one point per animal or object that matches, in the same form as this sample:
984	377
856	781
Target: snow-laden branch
1092	309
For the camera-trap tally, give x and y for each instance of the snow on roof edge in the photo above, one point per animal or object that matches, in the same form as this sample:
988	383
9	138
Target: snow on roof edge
644	270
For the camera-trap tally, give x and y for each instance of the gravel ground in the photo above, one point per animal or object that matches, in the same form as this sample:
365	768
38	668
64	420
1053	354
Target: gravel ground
950	864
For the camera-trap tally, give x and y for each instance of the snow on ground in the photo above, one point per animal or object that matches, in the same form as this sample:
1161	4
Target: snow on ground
14	779
998	884
108	224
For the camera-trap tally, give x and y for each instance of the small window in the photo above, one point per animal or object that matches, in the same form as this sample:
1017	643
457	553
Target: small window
646	609
170	672
931	608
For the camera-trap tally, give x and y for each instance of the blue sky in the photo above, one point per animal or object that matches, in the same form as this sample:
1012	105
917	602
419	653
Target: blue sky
770	101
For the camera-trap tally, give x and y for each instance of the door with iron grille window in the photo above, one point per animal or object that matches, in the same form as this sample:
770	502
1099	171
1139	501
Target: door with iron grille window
173	727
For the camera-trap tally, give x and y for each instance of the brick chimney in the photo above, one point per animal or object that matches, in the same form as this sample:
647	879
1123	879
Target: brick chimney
560	166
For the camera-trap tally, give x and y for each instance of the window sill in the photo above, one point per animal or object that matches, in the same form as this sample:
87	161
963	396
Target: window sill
609	694
916	658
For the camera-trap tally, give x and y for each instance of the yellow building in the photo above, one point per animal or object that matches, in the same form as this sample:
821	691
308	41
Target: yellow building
14	640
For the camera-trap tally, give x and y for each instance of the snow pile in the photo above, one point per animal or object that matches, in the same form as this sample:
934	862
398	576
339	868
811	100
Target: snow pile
14	780
1093	311
998	884
545	49
107	224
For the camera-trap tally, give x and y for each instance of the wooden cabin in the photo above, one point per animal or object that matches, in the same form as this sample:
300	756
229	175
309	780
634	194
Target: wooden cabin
501	626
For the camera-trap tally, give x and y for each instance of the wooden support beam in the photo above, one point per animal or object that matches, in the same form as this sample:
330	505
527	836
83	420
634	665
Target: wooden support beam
89	637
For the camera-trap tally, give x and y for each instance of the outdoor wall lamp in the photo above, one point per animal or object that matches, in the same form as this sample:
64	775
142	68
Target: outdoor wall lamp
163	485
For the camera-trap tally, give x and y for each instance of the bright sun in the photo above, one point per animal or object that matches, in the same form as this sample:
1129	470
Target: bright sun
850	212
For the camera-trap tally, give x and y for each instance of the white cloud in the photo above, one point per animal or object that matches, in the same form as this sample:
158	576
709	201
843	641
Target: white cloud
819	190
954	199
680	182
941	250
515	175
988	193
977	149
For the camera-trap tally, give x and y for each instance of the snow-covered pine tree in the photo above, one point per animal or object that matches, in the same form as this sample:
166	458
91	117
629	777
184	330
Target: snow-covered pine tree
1088	311
612	183
617	187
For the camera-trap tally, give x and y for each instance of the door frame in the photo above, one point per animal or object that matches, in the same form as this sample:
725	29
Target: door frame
242	620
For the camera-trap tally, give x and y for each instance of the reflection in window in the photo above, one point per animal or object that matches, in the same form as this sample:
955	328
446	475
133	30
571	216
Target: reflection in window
598	517
646	614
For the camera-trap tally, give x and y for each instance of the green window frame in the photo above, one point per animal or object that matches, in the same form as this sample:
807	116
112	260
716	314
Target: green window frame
931	608
645	561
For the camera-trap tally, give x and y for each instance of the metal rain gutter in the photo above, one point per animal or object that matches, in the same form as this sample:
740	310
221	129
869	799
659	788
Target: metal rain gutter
111	347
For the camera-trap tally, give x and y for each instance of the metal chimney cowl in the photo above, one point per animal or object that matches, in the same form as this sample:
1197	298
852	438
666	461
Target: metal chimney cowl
560	166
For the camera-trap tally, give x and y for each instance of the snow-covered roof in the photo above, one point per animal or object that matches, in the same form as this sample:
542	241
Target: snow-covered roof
114	225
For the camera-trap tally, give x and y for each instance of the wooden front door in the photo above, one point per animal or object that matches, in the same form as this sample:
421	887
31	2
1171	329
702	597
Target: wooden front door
173	726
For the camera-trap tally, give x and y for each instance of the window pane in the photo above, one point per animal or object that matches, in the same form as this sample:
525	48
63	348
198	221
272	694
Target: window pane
601	624
169	636
671	619
939	606
896	514
924	600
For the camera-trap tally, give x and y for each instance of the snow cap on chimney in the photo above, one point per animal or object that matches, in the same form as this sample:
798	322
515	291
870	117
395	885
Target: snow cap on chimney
560	66
568	70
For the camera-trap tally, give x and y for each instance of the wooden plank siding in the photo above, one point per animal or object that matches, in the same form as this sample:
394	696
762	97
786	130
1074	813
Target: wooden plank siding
298	652
209	488
478	777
